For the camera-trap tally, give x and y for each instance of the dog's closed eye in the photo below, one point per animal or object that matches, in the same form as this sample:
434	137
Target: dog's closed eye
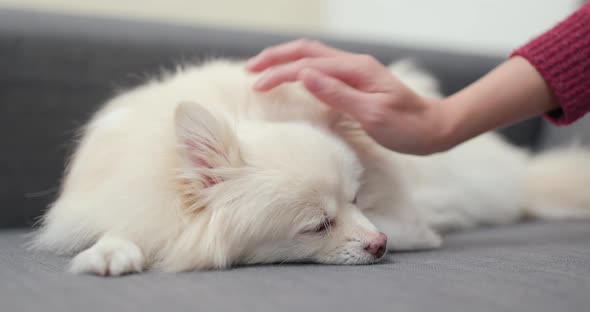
321	228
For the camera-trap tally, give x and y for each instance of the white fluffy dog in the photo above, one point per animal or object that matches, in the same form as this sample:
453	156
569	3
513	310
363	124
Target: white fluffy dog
197	171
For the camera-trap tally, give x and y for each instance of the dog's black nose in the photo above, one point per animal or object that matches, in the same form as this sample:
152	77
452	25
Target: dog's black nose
377	246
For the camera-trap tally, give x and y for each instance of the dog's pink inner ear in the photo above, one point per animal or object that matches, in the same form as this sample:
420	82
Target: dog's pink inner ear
208	142
198	153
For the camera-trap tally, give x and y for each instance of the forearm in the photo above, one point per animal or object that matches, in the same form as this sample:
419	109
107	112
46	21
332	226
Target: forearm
512	92
548	74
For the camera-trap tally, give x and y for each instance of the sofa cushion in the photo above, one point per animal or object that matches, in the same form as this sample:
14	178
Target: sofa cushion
533	267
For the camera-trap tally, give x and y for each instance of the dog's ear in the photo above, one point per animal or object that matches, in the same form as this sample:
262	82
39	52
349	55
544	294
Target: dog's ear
206	141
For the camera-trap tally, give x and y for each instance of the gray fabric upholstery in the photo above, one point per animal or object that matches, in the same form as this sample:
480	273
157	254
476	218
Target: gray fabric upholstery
56	70
529	267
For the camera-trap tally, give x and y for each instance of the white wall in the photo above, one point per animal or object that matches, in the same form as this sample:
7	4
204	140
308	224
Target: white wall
277	15
486	26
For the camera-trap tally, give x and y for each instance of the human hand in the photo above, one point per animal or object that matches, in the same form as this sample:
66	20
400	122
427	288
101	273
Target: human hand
357	84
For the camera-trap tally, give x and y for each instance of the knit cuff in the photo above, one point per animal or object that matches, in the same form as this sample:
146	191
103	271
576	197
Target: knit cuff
562	56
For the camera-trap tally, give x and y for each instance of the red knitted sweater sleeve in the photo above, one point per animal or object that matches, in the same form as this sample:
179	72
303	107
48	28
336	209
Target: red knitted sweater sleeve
562	56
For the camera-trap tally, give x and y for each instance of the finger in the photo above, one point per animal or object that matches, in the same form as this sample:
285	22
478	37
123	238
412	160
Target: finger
288	52
335	93
342	68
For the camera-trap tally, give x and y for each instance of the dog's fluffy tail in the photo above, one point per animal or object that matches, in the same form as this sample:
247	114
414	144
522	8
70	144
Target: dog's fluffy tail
558	185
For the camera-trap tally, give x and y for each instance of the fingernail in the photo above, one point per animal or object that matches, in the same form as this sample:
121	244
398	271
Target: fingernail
258	84
313	82
250	63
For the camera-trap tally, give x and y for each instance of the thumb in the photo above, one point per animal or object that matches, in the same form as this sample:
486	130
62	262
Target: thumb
334	92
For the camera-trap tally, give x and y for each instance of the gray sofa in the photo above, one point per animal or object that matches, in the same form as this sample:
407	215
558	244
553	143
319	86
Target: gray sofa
55	70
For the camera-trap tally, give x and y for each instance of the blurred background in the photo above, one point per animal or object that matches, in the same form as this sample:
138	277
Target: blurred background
492	27
62	59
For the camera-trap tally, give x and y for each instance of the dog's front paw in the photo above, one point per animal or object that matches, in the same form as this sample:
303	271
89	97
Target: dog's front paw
409	235
110	256
428	239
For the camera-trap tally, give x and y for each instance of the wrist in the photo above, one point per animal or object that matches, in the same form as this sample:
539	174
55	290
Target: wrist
444	133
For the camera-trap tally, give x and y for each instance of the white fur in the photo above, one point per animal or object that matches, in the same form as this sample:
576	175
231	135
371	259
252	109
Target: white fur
197	171
109	256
